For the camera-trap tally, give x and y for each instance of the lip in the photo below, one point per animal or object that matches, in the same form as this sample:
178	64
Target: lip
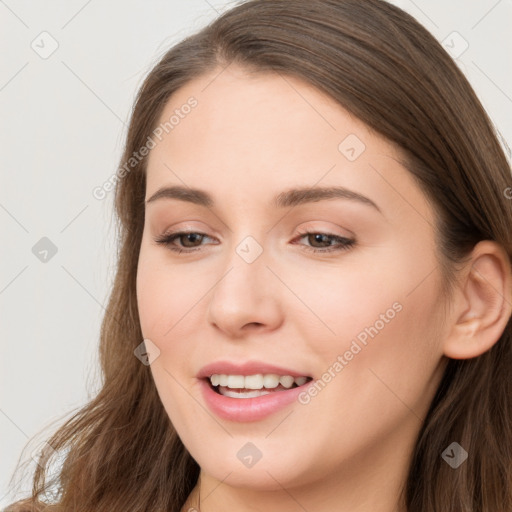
246	368
248	409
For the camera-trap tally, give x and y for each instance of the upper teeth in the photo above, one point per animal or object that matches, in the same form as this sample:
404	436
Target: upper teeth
257	381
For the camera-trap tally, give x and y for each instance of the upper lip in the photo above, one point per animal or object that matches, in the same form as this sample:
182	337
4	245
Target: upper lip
245	368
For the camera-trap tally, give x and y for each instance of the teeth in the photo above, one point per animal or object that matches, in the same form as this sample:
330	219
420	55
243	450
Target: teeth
270	381
235	381
300	380
286	381
258	381
245	394
252	382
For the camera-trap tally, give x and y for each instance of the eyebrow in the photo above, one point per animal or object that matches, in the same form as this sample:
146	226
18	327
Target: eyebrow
288	198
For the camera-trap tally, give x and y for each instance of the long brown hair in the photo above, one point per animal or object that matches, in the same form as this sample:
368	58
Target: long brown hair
386	69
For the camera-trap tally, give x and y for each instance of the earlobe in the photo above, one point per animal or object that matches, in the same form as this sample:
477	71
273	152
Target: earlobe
485	297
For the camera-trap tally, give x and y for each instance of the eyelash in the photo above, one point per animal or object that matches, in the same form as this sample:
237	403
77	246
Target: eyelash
345	243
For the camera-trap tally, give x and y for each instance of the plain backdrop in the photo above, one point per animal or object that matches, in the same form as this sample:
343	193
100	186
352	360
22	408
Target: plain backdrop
69	73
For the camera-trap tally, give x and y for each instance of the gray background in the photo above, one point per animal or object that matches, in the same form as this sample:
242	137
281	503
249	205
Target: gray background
63	122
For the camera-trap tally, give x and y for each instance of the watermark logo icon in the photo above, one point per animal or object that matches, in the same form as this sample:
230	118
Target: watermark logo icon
249	454
249	249
44	250
351	147
454	455
147	352
455	44
37	452
44	45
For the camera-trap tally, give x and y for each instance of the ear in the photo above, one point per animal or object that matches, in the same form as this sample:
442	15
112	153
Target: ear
482	302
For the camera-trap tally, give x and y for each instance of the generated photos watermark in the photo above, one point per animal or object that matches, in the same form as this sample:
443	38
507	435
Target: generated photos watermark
357	345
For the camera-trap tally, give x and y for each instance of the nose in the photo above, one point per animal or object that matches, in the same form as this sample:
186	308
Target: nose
246	297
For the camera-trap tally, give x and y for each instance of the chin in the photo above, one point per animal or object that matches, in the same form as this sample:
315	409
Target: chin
271	474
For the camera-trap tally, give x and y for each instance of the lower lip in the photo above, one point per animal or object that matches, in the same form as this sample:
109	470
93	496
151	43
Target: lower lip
248	409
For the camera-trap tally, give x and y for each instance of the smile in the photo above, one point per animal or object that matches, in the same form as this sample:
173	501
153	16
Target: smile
251	386
237	401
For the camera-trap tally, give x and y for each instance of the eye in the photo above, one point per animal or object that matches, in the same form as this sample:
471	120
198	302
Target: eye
343	243
188	237
191	241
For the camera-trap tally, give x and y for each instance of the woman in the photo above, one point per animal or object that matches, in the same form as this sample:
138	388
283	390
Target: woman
313	297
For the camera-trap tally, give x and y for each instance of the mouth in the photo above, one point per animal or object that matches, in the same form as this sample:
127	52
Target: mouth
253	386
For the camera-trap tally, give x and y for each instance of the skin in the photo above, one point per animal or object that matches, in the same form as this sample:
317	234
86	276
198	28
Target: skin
250	137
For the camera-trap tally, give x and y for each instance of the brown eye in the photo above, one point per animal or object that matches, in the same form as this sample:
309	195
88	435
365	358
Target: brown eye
325	239
188	240
320	238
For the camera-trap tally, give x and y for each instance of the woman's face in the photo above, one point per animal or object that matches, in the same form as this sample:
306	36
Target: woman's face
361	316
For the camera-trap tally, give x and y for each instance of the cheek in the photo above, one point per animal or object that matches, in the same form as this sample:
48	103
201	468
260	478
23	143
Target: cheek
165	294
380	316
165	298
343	302
371	389
386	354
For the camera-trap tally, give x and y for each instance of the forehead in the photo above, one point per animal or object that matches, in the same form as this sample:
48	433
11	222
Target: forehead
238	108
267	118
260	133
